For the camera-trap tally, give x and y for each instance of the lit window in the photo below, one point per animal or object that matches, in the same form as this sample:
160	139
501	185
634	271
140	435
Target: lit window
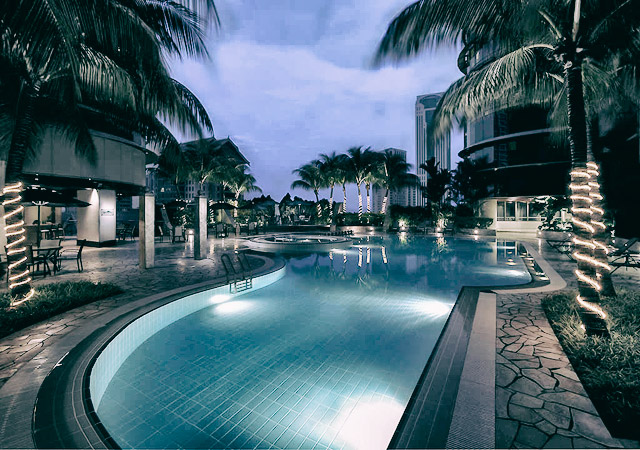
506	211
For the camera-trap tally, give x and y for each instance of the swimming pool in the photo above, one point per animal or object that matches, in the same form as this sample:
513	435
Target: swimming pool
326	357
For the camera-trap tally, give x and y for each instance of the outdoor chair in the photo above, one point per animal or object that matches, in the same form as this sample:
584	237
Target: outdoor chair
125	231
53	255
564	247
178	234
72	253
624	257
221	230
33	264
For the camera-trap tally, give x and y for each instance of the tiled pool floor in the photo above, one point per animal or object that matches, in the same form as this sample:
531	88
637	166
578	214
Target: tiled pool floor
325	358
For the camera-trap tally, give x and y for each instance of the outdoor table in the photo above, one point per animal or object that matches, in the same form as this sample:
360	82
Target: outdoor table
48	253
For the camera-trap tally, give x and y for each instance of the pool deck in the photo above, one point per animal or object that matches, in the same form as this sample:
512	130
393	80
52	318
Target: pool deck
531	398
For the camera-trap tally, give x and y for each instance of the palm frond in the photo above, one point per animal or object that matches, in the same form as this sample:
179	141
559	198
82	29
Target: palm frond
178	27
429	23
516	79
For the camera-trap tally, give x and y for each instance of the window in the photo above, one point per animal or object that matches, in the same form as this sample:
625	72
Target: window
521	211
506	211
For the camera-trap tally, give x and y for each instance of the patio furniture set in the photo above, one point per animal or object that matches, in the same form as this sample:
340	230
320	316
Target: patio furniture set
50	254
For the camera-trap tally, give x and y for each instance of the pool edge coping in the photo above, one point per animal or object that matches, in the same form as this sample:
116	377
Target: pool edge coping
22	397
469	295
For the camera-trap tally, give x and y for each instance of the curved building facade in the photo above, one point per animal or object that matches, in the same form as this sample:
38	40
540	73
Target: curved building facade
522	159
118	171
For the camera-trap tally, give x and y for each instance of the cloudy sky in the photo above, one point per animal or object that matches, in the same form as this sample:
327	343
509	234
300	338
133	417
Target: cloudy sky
290	79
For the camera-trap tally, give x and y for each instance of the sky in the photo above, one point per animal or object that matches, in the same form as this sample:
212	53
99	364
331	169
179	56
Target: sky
290	79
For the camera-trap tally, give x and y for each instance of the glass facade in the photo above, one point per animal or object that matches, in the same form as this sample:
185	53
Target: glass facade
508	211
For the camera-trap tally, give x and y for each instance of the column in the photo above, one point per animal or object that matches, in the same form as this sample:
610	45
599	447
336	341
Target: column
97	222
200	232
146	249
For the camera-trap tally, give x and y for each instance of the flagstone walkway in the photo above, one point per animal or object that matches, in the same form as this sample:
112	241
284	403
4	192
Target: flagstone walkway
540	402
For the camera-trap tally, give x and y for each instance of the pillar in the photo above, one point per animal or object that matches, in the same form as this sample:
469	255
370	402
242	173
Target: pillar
97	222
3	237
146	249
200	232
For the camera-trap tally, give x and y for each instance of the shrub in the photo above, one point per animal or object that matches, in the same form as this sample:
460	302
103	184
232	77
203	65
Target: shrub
349	219
472	222
412	214
609	368
49	300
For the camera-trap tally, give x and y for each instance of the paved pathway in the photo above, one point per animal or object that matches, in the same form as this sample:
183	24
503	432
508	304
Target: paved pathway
540	402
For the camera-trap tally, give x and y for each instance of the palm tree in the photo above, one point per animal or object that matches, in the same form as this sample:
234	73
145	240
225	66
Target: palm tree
393	173
344	175
202	162
310	178
544	48
375	161
468	183
330	168
241	182
438	182
56	60
361	166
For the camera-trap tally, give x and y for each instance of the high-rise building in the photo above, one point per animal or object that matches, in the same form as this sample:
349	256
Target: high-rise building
426	146
407	196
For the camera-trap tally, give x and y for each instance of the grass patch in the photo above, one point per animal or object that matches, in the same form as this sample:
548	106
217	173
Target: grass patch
49	300
608	368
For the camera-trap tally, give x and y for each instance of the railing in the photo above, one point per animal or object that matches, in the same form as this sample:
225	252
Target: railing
239	280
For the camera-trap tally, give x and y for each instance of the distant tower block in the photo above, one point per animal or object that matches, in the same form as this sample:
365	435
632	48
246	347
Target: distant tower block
426	146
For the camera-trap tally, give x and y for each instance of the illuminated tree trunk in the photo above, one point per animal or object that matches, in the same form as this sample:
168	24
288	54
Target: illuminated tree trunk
359	202
383	210
368	187
19	277
583	177
235	206
602	234
331	202
318	205
344	200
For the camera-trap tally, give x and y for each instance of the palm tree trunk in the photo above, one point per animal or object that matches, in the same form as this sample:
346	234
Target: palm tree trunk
19	278
582	182
359	202
331	202
601	234
318	205
368	186
344	201
235	205
383	210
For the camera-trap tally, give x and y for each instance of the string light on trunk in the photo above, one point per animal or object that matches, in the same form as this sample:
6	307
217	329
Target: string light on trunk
15	233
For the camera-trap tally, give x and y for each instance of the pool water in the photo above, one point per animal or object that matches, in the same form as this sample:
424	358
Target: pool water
326	357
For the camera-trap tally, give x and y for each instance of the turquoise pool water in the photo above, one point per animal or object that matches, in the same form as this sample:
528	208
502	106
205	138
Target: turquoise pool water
326	357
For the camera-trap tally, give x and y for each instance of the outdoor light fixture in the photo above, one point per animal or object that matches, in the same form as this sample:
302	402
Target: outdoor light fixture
15	233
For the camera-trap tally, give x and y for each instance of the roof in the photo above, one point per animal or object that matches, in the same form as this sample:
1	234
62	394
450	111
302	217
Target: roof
228	147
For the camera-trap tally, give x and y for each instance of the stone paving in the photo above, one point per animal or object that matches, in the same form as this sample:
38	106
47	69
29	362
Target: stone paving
540	402
174	267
